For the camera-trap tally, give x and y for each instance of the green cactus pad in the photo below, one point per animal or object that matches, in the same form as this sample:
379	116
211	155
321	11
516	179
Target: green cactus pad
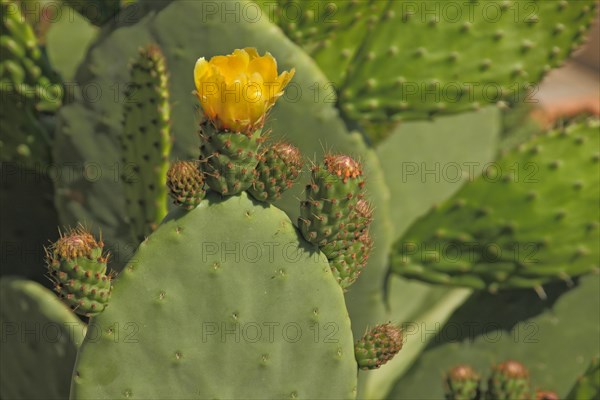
462	383
146	142
230	328
399	59
77	266
279	167
40	337
98	12
28	87
228	159
530	219
489	328
588	385
378	345
509	381
186	184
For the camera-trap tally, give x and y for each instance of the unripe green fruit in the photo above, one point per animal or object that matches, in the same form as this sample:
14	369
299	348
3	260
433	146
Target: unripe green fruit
228	159
379	345
462	383
78	269
186	184
336	187
509	381
348	265
279	167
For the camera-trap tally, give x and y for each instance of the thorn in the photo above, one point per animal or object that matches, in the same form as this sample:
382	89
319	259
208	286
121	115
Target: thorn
541	292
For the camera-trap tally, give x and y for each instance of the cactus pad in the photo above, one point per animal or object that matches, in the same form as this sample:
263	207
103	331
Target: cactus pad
588	385
77	266
379	345
40	337
98	12
530	219
405	60
146	142
243	314
279	167
186	184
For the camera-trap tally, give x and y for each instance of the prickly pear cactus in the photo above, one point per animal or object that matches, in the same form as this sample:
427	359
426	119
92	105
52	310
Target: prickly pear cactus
530	219
302	118
29	88
77	267
509	381
399	59
462	383
258	305
40	337
588	385
146	142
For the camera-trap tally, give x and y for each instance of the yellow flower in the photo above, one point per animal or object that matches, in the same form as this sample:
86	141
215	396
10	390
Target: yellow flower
236	91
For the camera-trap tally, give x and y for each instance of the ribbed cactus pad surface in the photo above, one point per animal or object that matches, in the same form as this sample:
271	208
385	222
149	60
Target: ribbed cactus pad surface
40	336
224	301
531	218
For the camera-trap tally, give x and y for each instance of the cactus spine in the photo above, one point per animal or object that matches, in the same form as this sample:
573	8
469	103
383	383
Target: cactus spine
77	266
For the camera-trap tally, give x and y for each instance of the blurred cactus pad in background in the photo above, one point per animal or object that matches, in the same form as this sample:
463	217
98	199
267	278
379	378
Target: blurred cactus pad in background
268	199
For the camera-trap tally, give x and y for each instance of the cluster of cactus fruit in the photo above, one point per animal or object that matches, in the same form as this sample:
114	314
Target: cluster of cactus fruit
508	380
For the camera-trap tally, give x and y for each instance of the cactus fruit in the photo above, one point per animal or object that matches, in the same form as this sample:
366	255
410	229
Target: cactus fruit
77	266
530	219
186	184
28	87
278	168
378	345
349	263
228	159
331	198
509	381
256	305
546	395
462	383
40	337
146	142
588	385
98	12
335	216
